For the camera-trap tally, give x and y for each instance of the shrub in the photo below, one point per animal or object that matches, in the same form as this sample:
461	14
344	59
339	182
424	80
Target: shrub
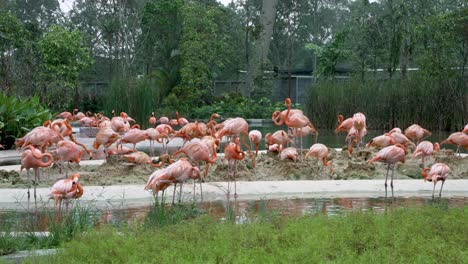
18	116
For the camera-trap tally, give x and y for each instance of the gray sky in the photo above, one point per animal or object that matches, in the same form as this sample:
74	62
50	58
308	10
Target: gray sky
66	5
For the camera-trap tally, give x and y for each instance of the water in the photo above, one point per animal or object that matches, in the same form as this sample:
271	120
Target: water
243	211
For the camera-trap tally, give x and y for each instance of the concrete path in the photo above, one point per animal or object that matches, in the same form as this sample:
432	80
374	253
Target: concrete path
134	195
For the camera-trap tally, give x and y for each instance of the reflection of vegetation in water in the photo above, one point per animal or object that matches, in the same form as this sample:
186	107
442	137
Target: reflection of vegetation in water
428	234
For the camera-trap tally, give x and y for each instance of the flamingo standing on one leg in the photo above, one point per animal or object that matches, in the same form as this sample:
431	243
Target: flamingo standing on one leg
438	172
66	189
233	153
390	155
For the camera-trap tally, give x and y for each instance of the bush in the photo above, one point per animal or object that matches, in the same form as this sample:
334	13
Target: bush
19	116
234	105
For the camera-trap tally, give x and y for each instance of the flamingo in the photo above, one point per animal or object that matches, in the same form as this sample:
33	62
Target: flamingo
417	133
381	141
66	189
105	137
298	120
64	128
211	125
152	120
425	149
119	124
359	123
390	155
140	157
278	117
236	127
279	137
163	120
457	138
198	151
166	130
133	136
41	137
320	151
344	125
122	150
233	153
77	116
158	181
179	172
289	153
437	172
400	138
2	147
65	115
153	135
465	130
255	138
67	151
180	120
31	158
352	137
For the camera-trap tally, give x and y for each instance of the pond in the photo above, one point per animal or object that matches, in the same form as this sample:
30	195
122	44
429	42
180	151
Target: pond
243	211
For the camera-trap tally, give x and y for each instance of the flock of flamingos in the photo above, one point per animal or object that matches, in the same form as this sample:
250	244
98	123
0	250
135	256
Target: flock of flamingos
45	144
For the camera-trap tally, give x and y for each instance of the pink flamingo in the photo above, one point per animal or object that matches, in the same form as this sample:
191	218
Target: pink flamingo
255	138
438	172
289	153
153	135
133	136
166	130
236	127
163	120
31	158
41	137
320	151
66	189
233	153
400	138
359	123
390	155
381	141
105	137
457	138
279	137
417	133
119	124
179	172
298	120
67	151
425	149
152	120
344	125
465	130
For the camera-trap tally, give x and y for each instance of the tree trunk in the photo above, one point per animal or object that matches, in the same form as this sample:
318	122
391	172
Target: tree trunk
262	44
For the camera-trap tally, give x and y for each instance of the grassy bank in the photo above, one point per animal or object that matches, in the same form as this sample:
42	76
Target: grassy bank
434	103
425	235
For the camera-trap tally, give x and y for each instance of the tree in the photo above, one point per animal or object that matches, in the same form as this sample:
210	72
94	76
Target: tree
63	57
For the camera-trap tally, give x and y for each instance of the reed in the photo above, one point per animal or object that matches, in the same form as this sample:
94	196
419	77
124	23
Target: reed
434	103
137	97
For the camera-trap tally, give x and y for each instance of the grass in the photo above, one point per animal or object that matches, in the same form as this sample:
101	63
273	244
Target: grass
435	104
78	220
424	235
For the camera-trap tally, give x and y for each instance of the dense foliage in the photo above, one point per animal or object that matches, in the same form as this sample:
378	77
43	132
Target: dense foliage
427	235
18	116
177	49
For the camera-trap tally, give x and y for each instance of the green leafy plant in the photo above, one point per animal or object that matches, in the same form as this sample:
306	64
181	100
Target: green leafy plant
18	116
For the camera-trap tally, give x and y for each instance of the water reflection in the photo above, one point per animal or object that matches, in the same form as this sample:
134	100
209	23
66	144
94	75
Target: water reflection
243	211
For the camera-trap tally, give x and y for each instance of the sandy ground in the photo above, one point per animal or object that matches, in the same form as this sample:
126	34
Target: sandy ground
268	168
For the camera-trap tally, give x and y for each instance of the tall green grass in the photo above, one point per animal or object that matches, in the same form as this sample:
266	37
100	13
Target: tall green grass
78	220
425	235
434	103
137	97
